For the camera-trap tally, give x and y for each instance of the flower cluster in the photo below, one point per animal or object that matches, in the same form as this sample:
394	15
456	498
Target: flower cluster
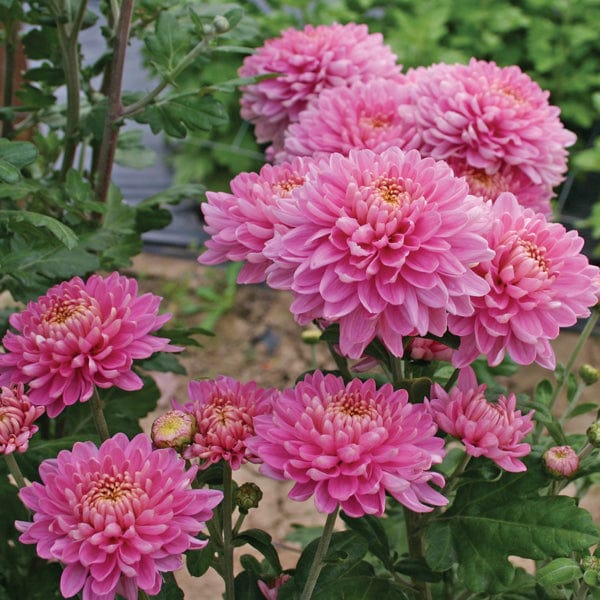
80	335
115	516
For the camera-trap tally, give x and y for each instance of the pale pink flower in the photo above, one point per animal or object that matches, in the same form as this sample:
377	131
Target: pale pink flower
225	410
80	335
507	178
349	444
174	429
17	415
309	61
241	223
490	116
426	349
271	590
376	114
492	429
539	282
116	516
383	245
561	461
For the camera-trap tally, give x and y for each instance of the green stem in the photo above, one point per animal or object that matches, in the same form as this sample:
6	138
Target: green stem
110	135
15	471
10	48
239	522
415	548
142	595
98	416
227	531
397	370
137	107
317	564
454	478
341	363
573	404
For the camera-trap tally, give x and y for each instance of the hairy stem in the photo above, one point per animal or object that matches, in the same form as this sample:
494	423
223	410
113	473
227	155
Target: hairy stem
341	363
317	564
15	471
227	531
98	416
110	135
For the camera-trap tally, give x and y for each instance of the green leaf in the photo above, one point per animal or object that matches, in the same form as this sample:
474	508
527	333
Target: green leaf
361	588
584	408
370	528
164	362
169	589
168	44
543	391
18	154
132	153
262	541
9	173
560	571
199	561
59	230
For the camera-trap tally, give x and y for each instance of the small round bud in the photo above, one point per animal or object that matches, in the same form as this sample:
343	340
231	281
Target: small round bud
311	336
589	375
561	461
208	29
221	24
593	434
591	563
175	429
247	496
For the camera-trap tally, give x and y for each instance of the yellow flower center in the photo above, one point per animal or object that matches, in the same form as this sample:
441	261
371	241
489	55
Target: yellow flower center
392	191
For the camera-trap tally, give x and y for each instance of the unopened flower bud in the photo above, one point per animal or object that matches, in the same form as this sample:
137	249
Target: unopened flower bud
175	429
593	434
561	461
247	496
311	336
221	24
589	375
590	562
208	29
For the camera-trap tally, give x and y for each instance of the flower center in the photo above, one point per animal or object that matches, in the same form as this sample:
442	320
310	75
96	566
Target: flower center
392	191
509	92
535	253
484	184
351	405
62	310
376	122
110	491
284	188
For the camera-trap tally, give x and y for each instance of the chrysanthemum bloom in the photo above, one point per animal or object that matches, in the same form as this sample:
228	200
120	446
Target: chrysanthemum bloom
17	415
242	222
309	62
349	444
561	461
384	246
225	410
376	114
539	282
489	116
492	429
507	178
115	516
175	429
426	349
82	334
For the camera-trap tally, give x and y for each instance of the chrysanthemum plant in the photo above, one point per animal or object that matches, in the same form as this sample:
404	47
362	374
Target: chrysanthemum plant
408	213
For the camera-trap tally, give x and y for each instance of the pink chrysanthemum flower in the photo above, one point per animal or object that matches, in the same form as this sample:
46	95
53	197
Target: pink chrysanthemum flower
490	116
507	178
539	282
17	415
225	410
174	429
309	62
376	114
384	245
82	334
495	430
115	516
426	349
241	223
349	444
561	461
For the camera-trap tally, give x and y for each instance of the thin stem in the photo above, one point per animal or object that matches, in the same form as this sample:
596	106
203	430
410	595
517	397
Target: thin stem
414	532
454	478
138	106
341	363
317	564
98	416
106	153
397	368
227	531
10	48
573	404
15	471
238	523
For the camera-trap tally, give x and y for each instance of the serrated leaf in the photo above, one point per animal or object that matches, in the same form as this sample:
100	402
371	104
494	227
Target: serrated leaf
371	530
18	154
560	571
132	152
168	44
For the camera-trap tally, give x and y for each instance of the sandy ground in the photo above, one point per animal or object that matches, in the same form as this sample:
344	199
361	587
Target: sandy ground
259	340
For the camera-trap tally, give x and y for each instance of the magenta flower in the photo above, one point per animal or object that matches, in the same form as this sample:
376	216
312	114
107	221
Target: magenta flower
490	116
376	114
225	410
383	245
349	444
17	415
539	282
80	335
492	429
309	62
241	223
271	590
115	516
561	461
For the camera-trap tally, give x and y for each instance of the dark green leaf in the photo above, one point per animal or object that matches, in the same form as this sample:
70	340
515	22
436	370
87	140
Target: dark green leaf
8	172
168	44
360	588
199	561
132	152
370	528
558	572
60	231
18	154
261	541
169	589
163	362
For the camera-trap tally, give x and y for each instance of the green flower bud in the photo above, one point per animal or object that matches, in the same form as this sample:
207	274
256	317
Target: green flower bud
593	434
311	336
590	563
221	24
589	375
247	496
